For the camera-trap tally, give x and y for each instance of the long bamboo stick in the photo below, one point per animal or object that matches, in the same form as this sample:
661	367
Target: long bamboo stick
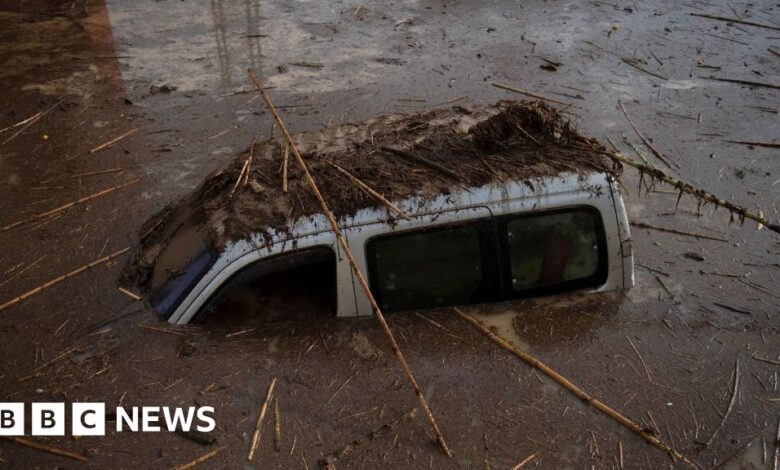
59	279
576	391
684	187
358	274
68	205
371	192
645	140
260	419
45	448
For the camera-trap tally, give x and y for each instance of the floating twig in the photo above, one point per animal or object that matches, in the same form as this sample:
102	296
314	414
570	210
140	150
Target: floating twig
112	141
81	175
277	426
522	463
200	459
353	264
777	447
45	448
634	63
763	359
745	82
68	205
528	93
260	419
128	293
645	140
676	232
770	145
684	187
161	330
368	190
731	403
28	122
576	391
59	279
735	20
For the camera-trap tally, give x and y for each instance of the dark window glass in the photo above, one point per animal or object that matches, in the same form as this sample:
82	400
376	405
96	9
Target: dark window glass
179	267
560	250
432	268
296	284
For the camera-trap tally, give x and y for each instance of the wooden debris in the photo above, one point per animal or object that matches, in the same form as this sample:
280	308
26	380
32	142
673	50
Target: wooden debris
68	205
368	190
240	177
200	459
249	162
731	403
522	463
684	187
676	232
82	175
576	391
353	264
763	359
421	160
260	419
112	141
641	359
277	426
45	448
28	122
745	82
128	293
635	63
644	139
528	93
735	20
59	279
770	145
161	330
195	436
776	459
285	158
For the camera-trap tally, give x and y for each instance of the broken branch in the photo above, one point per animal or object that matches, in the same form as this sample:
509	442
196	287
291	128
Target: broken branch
260	419
112	141
68	205
45	448
684	187
576	391
366	188
731	403
676	232
200	459
645	140
59	279
528	93
353	264
735	20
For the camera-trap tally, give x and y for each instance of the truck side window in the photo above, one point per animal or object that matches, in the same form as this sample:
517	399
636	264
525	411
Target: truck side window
451	265
558	251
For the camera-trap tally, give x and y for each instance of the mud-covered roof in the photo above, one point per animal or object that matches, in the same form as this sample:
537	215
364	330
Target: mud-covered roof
464	146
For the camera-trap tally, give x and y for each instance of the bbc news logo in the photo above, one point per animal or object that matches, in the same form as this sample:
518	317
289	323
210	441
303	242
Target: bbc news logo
89	419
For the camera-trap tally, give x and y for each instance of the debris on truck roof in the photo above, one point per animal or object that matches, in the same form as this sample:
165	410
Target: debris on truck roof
398	155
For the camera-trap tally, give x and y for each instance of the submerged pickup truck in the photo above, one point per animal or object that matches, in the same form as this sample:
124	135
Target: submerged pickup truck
501	233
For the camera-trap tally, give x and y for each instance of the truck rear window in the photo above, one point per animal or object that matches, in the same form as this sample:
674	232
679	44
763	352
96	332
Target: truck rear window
488	260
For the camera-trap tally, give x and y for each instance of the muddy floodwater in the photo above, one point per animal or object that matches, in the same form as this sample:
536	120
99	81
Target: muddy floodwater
692	353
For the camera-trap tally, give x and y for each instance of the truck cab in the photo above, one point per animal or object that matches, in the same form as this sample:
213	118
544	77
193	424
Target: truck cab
505	240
